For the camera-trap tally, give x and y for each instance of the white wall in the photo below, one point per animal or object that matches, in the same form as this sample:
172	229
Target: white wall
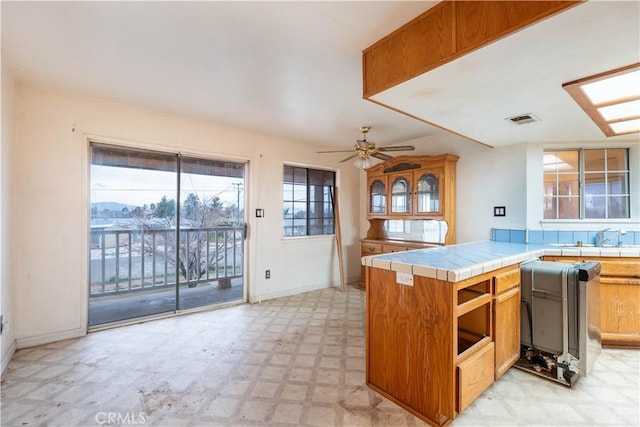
485	177
6	142
50	204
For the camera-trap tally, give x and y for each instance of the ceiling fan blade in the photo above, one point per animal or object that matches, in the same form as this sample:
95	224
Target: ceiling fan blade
349	158
335	151
381	156
398	148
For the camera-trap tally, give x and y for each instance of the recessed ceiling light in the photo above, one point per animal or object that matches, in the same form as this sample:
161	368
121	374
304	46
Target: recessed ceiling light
613	88
620	111
628	126
611	99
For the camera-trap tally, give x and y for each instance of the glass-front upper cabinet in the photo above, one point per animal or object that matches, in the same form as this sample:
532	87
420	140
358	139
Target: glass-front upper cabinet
400	195
428	193
378	195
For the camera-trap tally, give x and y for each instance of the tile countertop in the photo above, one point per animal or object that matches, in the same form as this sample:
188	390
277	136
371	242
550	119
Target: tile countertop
458	262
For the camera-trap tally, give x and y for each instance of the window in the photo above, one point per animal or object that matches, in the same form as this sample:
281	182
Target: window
586	184
306	200
167	233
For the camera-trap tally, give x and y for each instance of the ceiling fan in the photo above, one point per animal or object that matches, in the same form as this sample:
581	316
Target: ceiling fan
365	149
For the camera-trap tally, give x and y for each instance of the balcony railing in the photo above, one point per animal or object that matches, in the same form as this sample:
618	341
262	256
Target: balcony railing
134	260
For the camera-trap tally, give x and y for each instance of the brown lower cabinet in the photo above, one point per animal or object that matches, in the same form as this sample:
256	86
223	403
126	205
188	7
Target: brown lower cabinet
435	346
506	320
619	298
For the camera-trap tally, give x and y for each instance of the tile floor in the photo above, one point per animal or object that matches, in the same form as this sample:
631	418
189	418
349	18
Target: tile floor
290	361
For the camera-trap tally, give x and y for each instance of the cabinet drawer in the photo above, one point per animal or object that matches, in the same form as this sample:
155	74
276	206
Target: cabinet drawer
394	248
506	281
620	268
475	375
371	249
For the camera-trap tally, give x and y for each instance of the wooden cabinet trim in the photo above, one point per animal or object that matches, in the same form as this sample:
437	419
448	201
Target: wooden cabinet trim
473	303
444	33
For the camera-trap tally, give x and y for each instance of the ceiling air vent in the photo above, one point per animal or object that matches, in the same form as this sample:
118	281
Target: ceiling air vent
522	119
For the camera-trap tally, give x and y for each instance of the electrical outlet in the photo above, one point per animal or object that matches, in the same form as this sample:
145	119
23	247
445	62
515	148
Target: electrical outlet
404	279
267	274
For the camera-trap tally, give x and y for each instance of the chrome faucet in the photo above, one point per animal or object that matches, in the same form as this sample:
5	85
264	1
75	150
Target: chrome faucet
600	239
620	234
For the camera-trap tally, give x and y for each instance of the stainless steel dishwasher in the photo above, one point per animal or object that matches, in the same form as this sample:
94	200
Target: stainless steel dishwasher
560	319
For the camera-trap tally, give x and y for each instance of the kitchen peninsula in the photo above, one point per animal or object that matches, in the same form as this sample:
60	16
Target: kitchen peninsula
443	323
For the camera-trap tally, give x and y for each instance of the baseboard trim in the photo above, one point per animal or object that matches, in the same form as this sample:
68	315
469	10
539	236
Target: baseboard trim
49	338
6	358
295	291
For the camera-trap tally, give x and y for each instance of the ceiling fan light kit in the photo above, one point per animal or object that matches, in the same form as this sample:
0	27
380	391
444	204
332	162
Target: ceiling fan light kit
364	150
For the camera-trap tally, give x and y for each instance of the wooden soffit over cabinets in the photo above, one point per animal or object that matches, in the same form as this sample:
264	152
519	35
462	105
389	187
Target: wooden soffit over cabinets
445	32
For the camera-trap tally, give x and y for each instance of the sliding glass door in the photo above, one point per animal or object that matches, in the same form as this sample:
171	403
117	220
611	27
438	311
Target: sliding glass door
167	233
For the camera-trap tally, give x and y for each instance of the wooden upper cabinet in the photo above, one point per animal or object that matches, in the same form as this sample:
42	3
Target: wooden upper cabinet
428	39
445	32
412	187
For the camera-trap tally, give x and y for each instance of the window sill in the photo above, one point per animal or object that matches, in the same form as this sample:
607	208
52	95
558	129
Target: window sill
313	237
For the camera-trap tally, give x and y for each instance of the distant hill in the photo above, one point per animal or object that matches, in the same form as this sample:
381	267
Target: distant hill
112	206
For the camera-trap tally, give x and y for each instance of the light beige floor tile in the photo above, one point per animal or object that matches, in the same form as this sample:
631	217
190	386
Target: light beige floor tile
265	389
295	392
222	407
287	413
298	360
256	410
321	416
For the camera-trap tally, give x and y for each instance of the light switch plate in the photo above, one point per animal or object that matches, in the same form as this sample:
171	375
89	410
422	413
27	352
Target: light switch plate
499	211
404	278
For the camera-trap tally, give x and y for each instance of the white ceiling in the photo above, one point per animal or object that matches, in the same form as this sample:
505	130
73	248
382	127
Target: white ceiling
293	69
524	73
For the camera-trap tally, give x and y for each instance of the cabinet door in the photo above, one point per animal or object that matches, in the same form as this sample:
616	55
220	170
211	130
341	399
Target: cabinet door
400	194
428	193
506	329
620	311
377	203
